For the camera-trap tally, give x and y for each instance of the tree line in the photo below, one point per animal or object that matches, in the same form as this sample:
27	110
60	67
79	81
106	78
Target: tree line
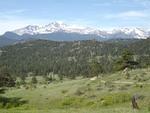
72	59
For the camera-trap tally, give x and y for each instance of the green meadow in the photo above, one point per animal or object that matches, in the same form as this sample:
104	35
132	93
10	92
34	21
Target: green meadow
109	93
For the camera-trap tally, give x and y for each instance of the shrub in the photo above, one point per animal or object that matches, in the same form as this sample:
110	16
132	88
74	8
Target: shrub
64	91
44	87
11	102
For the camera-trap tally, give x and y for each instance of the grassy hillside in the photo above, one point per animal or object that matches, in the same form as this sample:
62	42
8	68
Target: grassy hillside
106	94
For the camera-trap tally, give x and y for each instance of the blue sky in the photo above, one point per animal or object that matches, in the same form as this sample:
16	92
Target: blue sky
104	14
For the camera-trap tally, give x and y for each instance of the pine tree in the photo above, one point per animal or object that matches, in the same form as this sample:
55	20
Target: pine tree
6	80
96	68
126	61
34	80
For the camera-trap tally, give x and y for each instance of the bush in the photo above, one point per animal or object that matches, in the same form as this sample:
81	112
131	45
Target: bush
11	102
64	91
26	87
44	87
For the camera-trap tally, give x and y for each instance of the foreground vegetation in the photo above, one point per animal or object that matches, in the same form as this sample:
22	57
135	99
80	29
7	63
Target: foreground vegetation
106	94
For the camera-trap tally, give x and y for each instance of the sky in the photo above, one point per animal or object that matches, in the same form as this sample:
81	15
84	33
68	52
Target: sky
103	14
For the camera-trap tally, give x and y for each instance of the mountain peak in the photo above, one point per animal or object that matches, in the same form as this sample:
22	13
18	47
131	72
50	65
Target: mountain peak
30	29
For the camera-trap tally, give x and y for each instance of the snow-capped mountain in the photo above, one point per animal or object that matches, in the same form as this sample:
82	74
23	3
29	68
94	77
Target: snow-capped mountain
132	33
54	27
62	27
58	31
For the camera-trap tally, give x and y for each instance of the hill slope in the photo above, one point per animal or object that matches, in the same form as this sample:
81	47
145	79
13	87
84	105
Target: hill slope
85	95
42	57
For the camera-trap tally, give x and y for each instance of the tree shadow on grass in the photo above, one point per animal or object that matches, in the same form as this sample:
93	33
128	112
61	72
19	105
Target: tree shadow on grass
6	102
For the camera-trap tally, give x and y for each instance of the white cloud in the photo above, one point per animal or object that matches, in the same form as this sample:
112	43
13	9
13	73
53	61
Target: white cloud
132	14
128	15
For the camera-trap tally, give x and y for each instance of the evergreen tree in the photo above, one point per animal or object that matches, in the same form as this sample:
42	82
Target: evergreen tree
34	80
6	80
126	61
96	68
23	78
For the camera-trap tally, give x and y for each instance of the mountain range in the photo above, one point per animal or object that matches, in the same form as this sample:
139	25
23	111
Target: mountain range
59	31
